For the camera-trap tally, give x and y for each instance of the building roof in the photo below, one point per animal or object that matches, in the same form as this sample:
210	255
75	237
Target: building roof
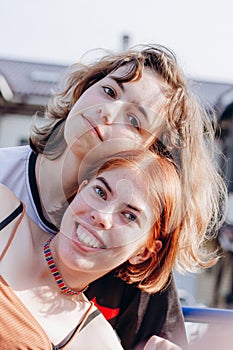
28	82
32	83
214	94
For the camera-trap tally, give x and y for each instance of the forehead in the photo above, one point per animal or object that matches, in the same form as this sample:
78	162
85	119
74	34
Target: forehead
147	74
129	183
145	91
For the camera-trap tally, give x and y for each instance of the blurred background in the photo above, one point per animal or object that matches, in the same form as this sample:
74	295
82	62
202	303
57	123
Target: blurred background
40	39
59	31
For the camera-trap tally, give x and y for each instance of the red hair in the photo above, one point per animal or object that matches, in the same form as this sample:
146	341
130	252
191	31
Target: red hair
163	186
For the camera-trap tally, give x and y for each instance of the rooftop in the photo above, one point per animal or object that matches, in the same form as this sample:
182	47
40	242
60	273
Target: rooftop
28	82
24	82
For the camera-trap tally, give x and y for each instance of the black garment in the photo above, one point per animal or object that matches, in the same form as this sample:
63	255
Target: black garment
136	315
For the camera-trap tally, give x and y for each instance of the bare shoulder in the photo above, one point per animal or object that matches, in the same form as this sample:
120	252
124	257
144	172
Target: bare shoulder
106	339
8	202
97	334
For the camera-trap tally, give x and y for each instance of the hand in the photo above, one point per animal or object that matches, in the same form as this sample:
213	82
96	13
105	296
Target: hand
158	343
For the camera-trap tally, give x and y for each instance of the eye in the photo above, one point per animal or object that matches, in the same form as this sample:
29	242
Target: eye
100	192
130	217
134	122
109	91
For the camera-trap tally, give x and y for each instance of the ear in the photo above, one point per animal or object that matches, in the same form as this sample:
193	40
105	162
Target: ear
83	184
144	254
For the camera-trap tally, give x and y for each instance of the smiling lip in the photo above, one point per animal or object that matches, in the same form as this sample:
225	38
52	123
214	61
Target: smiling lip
94	127
86	239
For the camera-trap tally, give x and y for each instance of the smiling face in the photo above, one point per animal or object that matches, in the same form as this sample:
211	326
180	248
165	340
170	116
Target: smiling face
108	221
111	110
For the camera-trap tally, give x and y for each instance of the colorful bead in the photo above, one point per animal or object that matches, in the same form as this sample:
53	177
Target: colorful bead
56	274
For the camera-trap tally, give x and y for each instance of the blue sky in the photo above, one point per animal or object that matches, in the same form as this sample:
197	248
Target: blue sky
200	32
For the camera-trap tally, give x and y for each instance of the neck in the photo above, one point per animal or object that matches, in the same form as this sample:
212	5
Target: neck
76	278
62	286
56	182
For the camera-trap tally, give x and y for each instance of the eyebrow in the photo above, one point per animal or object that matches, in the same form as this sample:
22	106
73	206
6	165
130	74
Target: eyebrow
130	206
133	208
121	86
103	180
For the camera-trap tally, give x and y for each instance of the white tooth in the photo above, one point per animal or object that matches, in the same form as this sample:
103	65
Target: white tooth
87	239
95	245
92	242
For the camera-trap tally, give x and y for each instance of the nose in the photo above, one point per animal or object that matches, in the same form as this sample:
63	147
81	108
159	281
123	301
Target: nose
101	219
109	112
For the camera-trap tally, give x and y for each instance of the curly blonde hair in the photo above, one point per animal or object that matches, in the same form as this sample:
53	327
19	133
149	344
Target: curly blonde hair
177	110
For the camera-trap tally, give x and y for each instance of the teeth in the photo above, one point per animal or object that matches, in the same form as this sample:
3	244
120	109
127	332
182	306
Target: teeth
85	238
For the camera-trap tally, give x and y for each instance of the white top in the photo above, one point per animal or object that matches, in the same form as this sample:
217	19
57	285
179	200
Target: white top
17	171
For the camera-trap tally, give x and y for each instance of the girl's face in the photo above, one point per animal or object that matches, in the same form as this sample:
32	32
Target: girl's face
109	110
107	223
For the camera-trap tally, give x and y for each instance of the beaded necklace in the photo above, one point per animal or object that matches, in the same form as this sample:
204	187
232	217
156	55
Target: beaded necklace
56	274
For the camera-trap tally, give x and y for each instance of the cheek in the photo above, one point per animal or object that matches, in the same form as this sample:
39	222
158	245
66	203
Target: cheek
75	110
127	133
78	205
67	226
87	99
126	239
82	203
72	127
141	138
124	253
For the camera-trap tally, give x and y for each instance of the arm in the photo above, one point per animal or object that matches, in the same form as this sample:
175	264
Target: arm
8	203
10	209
